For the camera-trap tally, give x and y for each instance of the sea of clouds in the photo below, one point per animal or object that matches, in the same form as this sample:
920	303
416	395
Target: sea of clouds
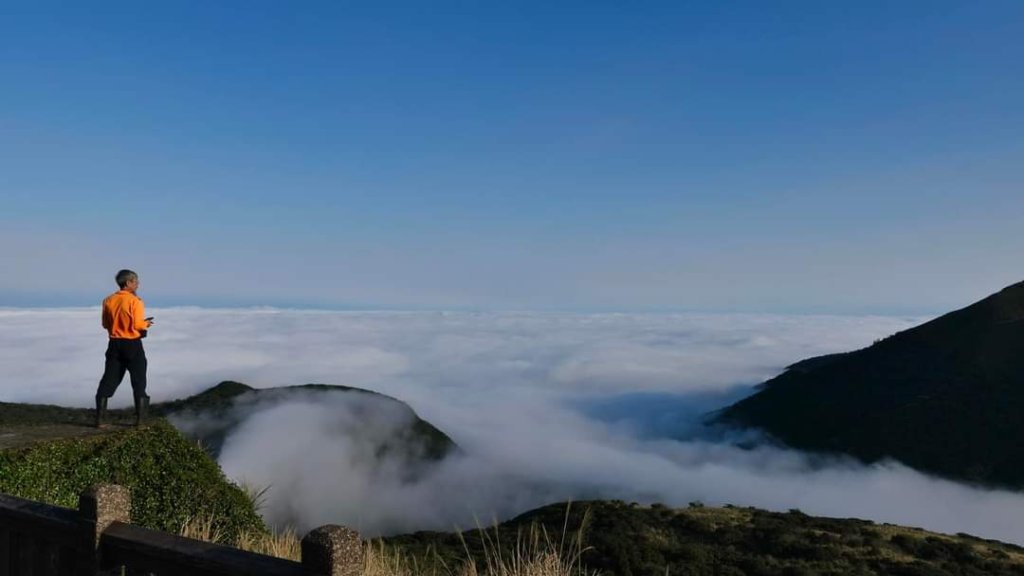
547	407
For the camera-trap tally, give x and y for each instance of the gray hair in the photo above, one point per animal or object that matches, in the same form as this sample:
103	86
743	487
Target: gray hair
124	277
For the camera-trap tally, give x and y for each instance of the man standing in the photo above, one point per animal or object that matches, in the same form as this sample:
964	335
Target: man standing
124	318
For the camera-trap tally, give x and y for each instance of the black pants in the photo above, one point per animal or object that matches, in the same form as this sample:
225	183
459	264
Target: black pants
124	355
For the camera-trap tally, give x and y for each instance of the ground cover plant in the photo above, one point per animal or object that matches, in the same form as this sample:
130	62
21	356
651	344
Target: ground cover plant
170	478
624	539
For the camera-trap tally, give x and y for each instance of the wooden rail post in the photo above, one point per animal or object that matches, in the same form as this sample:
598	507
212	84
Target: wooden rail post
332	550
99	507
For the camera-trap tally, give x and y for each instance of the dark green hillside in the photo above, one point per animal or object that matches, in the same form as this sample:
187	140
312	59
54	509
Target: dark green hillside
171	479
24	424
216	408
630	540
945	397
52	453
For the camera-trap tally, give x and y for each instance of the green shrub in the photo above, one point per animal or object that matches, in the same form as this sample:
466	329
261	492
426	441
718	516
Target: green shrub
171	479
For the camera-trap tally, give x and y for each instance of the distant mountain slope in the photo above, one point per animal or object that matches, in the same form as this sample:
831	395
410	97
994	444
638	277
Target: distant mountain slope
945	397
622	539
218	411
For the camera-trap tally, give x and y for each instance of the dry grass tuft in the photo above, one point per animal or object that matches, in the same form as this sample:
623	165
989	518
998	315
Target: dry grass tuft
285	544
381	560
534	553
201	529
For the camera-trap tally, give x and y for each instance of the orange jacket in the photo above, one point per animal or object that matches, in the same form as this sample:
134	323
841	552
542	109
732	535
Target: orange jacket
124	315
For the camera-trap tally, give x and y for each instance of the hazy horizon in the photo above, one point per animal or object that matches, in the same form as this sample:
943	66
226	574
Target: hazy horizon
904	311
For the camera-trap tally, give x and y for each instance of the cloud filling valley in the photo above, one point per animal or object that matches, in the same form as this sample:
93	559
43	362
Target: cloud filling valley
546	407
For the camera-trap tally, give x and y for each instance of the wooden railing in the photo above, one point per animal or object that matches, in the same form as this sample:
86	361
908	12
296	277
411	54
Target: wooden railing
98	538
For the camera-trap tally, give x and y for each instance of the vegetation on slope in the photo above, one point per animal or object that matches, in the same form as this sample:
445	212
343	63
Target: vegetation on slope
52	453
944	397
171	479
622	539
215	406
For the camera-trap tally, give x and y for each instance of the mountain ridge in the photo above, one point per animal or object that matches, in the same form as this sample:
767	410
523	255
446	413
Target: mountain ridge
944	396
629	539
25	424
217	407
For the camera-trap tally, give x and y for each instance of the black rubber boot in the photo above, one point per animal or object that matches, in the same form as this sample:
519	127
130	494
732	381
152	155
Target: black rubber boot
141	407
101	412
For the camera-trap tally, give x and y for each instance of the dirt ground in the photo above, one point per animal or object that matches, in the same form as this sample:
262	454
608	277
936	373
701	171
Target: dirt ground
21	436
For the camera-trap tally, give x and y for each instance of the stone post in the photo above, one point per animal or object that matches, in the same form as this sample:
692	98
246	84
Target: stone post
332	550
99	507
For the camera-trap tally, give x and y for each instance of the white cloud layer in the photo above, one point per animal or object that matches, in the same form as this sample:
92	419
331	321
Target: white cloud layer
547	407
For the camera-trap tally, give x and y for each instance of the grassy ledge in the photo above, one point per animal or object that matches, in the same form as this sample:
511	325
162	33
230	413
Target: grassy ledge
171	479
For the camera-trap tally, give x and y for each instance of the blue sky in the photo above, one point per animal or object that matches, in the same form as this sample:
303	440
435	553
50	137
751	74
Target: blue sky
741	156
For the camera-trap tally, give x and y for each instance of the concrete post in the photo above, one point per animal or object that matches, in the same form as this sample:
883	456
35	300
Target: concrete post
332	550
99	507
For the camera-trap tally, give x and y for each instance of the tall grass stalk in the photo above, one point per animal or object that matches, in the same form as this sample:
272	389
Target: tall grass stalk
202	528
285	544
534	553
381	560
256	495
